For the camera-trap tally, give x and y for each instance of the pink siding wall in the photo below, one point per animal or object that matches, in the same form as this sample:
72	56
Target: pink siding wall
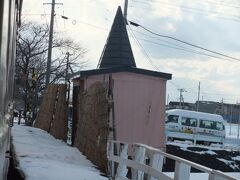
139	102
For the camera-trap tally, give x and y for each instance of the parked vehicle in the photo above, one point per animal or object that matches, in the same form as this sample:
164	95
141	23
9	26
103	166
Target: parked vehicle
9	22
196	126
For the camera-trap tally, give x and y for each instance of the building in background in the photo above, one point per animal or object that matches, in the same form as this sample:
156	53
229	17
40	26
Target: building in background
186	105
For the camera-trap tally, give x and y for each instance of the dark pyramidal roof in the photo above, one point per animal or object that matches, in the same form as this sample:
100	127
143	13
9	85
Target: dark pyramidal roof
117	55
117	51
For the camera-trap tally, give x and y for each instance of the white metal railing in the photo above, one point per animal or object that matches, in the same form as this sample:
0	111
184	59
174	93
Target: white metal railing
141	162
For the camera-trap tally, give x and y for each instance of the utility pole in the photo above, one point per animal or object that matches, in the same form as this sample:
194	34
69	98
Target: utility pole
238	125
181	100
222	108
67	82
48	73
125	11
231	117
198	96
168	97
67	67
49	59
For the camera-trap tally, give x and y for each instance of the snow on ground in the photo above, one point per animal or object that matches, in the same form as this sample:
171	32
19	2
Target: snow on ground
41	156
204	176
236	158
232	136
232	130
229	163
208	149
184	146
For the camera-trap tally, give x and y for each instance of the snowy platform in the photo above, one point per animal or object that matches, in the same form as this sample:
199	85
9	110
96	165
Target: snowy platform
41	156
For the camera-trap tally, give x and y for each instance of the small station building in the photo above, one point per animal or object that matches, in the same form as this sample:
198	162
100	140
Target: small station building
118	100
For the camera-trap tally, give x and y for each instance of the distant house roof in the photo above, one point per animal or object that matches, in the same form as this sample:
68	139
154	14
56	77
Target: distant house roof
176	103
117	51
125	69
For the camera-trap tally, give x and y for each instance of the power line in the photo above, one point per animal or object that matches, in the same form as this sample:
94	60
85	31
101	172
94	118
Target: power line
220	94
144	51
185	50
177	46
214	94
197	9
174	84
202	91
150	61
45	16
217	3
184	42
193	8
161	40
206	93
74	21
222	16
202	14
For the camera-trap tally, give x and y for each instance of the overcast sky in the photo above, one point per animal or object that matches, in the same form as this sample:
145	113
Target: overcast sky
211	24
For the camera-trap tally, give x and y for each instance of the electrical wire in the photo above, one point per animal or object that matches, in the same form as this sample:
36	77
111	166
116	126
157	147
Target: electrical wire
177	46
149	60
184	49
204	92
174	84
45	16
221	94
74	21
168	42
184	42
191	8
144	51
222	3
197	11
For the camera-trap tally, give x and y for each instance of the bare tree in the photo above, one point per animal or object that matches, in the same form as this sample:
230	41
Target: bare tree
31	59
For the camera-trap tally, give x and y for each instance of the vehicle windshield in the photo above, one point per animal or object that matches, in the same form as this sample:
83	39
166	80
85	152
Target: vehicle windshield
172	118
211	125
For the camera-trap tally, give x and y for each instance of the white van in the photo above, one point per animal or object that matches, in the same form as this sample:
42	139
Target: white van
196	126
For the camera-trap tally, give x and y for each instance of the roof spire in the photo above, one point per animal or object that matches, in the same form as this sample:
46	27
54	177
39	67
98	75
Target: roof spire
117	51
